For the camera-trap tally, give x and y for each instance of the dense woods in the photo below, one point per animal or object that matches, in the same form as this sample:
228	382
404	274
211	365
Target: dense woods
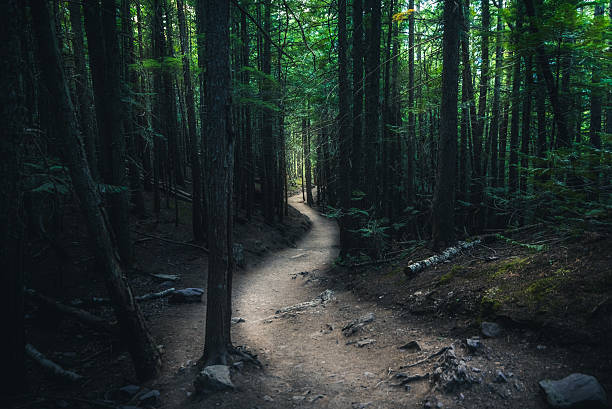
402	120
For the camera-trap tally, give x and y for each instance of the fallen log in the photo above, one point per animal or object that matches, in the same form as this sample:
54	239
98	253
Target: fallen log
51	367
86	318
447	254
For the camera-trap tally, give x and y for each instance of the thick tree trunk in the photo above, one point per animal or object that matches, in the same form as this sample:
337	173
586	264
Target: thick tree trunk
12	123
219	172
596	96
134	333
248	142
443	226
101	27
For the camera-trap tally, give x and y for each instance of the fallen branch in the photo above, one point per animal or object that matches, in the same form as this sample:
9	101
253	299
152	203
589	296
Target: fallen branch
144	297
80	315
195	246
445	255
50	366
435	354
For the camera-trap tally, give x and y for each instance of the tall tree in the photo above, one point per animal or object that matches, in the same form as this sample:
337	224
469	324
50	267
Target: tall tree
443	226
196	171
219	174
344	135
134	332
12	120
101	27
357	57
372	23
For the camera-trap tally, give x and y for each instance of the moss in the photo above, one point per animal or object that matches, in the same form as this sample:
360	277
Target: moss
446	277
511	267
491	302
546	286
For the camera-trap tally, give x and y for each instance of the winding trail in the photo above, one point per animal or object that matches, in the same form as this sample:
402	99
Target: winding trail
305	356
308	362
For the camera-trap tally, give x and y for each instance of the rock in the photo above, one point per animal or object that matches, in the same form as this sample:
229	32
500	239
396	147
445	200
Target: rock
575	391
369	375
149	398
500	377
473	344
238	253
490	329
237	320
298	398
365	342
268	398
214	378
186	295
359	405
541	347
355	325
128	391
411	346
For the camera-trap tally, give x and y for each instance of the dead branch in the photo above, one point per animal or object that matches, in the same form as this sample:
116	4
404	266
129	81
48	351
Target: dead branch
50	366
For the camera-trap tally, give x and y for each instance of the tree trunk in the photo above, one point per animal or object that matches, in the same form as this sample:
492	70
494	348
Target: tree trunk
248	143
219	172
101	27
196	172
134	333
372	23
596	96
495	108
344	134
514	127
357	54
443	226
526	124
12	123
84	97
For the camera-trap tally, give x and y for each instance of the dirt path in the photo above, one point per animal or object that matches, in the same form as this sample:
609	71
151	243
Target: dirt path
307	361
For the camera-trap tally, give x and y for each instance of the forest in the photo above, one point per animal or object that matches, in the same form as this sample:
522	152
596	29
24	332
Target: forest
306	203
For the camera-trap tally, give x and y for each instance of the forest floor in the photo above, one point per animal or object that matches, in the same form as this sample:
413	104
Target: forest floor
553	306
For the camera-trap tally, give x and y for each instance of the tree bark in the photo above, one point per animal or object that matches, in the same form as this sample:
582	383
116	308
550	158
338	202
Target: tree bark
219	172
12	123
134	333
372	23
357	54
526	124
196	171
443	226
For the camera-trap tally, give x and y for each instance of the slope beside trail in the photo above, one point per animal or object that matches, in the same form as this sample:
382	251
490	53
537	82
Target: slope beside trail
308	361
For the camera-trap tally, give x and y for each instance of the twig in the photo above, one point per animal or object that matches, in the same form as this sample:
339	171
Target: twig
435	354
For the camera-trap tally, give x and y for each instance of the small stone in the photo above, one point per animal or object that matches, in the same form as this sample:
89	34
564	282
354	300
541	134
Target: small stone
214	378
355	325
474	369
149	397
298	398
541	347
268	398
237	320
500	377
411	346
474	344
369	375
575	391
128	391
490	329
186	295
